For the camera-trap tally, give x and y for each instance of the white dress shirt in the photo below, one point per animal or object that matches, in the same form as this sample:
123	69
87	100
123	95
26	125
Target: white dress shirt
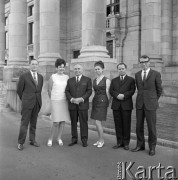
147	71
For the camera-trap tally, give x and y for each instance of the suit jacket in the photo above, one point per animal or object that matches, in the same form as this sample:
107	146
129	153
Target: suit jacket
126	87
81	89
28	91
148	91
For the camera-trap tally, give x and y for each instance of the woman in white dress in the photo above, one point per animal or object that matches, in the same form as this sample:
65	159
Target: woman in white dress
59	105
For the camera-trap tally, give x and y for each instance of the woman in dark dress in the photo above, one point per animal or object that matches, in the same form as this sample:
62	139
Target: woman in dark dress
100	101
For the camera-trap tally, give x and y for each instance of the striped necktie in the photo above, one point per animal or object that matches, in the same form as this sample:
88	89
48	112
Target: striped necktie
144	76
35	79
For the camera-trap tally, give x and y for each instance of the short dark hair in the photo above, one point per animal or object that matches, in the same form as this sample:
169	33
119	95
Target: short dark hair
145	57
59	62
122	64
99	63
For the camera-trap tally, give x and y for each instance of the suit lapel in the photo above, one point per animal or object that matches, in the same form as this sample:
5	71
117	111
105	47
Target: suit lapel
31	78
81	79
150	72
140	77
121	83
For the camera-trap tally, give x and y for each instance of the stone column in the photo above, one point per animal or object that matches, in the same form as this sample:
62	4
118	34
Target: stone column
49	32
36	29
167	31
94	40
18	33
2	33
151	29
93	29
17	40
2	38
175	32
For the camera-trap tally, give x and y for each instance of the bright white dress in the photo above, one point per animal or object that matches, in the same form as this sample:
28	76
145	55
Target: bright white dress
59	104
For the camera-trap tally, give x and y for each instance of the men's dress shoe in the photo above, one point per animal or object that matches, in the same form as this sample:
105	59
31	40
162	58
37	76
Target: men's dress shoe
152	152
126	147
117	146
34	144
138	149
72	143
20	147
84	144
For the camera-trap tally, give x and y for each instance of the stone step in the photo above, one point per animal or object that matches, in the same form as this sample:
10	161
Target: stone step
5	110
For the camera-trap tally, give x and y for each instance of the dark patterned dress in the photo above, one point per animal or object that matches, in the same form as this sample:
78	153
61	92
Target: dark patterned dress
100	101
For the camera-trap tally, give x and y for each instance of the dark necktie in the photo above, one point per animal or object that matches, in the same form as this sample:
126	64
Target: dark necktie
144	76
34	77
77	79
121	77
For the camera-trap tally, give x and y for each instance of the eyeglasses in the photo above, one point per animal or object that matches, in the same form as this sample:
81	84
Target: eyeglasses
142	62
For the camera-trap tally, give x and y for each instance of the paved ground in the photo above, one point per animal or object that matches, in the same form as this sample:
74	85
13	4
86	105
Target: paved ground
74	163
167	122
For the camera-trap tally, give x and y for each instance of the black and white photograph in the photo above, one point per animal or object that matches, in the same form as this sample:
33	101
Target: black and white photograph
88	89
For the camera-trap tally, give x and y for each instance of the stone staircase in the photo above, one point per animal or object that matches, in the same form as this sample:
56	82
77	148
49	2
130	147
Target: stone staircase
3	97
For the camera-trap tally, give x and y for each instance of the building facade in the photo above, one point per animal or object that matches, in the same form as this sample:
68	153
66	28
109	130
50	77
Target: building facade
84	31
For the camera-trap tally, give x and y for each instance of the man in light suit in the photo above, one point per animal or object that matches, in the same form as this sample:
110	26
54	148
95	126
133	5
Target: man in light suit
29	91
122	89
149	88
78	91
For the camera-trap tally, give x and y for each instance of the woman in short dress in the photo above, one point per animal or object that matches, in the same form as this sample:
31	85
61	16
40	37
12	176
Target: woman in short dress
100	100
59	105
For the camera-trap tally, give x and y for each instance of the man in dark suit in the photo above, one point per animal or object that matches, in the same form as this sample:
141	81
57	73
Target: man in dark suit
122	89
78	91
29	91
149	88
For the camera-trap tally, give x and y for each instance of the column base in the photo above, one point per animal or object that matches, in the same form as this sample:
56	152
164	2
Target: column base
10	72
110	70
90	51
48	59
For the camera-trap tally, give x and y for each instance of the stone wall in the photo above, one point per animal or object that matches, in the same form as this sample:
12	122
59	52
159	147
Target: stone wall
12	100
175	33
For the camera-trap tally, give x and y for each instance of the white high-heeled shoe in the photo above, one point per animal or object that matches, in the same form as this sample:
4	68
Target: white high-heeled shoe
50	143
60	142
96	143
100	144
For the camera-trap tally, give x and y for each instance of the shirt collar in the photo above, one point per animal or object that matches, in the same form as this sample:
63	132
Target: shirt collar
32	73
123	76
79	77
147	71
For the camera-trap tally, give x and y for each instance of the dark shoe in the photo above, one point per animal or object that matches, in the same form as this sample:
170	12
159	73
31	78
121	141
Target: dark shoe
117	146
152	152
84	144
126	147
72	143
34	144
138	149
20	147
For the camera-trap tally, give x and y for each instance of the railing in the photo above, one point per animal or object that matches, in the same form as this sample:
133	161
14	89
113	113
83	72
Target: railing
30	48
112	21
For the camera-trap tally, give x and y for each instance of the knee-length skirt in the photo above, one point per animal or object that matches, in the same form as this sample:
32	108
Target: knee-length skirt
59	111
99	113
